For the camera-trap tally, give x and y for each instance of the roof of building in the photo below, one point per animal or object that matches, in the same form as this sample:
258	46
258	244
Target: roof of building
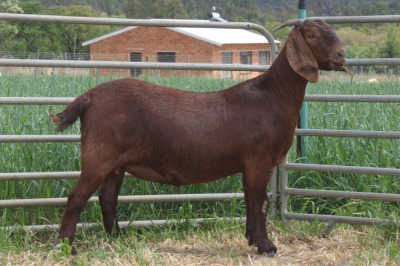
219	37
214	36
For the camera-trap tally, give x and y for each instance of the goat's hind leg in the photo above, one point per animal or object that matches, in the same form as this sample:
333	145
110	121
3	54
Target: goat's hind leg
77	199
249	218
108	198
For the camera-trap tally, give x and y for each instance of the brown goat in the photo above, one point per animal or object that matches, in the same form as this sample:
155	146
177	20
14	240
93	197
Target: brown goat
178	137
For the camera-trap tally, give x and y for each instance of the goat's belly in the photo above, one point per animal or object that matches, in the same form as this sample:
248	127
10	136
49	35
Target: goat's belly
179	179
181	176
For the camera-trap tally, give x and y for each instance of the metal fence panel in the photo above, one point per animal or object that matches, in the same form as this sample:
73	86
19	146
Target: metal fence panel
272	195
285	190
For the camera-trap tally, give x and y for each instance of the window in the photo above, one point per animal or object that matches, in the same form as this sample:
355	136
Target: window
135	57
226	58
166	57
245	58
264	57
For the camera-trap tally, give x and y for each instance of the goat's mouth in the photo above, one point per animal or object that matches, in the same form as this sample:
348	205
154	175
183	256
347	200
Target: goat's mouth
337	65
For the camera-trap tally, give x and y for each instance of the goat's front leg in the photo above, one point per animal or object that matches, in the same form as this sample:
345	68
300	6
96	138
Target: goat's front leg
255	182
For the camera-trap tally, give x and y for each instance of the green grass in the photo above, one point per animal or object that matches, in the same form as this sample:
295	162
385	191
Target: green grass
47	157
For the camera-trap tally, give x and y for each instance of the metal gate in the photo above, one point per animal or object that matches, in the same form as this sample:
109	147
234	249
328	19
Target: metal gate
75	138
283	190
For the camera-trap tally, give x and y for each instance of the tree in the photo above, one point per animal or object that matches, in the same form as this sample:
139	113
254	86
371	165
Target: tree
328	7
8	30
172	9
109	7
391	47
30	37
143	9
10	6
71	36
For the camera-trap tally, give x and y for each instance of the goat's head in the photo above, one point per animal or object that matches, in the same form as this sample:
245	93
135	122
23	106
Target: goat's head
313	45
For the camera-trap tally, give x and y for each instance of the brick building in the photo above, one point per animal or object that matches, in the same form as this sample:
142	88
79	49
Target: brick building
186	45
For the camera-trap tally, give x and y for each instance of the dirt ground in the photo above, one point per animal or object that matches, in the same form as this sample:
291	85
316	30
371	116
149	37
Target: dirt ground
293	249
341	248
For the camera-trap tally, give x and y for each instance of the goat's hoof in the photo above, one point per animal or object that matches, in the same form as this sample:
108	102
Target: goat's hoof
73	251
270	254
268	248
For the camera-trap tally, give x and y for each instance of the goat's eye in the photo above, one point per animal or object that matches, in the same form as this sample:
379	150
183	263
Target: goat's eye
311	36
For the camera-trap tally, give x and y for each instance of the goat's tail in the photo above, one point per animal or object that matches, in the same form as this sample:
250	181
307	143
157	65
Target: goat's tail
67	117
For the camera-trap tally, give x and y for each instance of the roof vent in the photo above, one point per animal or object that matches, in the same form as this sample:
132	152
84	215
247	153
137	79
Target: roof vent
216	17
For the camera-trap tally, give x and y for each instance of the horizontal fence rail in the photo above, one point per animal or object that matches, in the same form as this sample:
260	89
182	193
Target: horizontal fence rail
173	66
128	65
347	133
332	221
298	132
39	175
126	199
373	62
343	169
360	19
36	100
308	97
353	98
123	224
343	194
39	138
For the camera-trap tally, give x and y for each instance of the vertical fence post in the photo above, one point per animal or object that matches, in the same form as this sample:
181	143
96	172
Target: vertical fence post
303	120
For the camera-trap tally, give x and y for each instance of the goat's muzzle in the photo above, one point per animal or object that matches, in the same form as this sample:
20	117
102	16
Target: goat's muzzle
338	62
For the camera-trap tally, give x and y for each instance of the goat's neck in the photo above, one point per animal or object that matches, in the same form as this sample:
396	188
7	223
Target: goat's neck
282	82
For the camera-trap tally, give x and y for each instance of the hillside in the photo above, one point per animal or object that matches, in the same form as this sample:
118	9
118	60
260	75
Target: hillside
234	10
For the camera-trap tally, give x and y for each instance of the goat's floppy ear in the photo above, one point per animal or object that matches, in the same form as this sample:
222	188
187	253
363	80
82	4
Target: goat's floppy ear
300	56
